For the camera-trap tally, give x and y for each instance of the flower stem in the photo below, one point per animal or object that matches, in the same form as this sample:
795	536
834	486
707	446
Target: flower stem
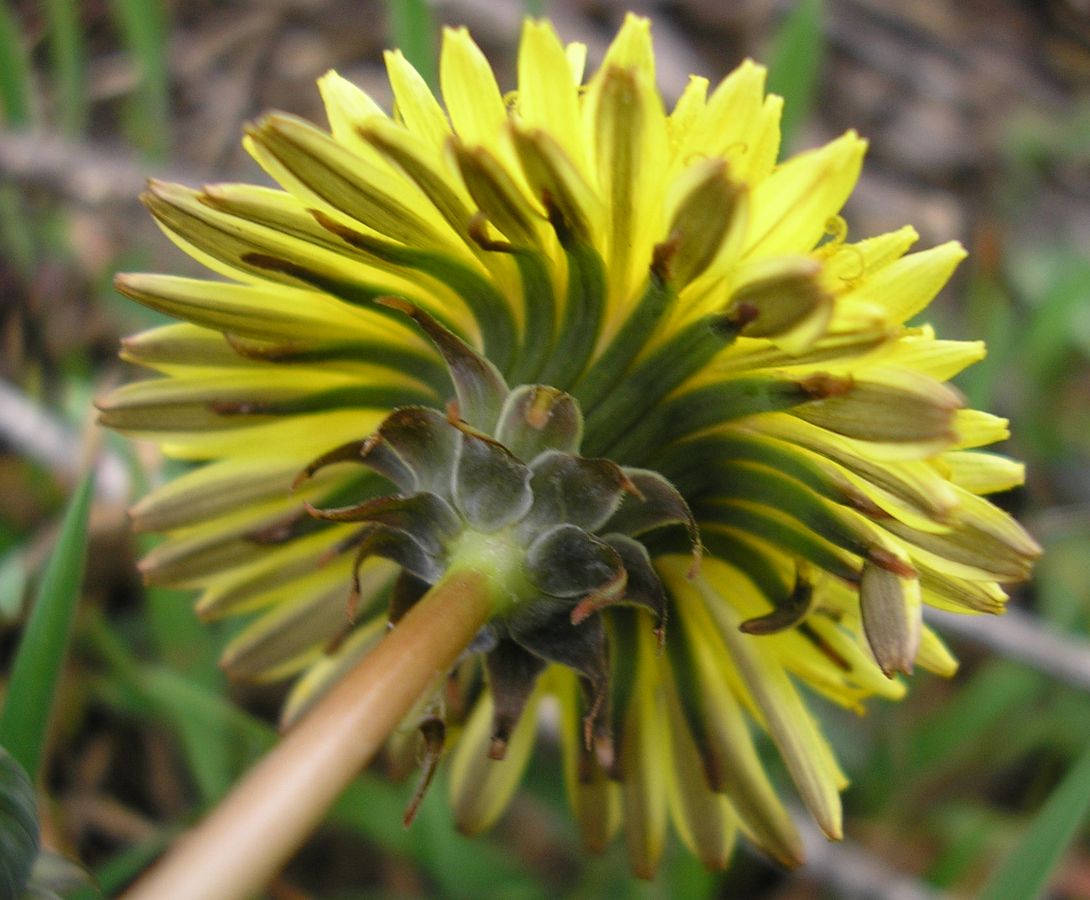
234	852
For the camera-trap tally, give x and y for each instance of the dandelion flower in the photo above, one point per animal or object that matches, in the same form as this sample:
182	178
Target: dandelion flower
620	359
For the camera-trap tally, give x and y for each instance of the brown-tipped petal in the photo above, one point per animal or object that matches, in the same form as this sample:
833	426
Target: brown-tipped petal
557	182
704	219
889	407
497	195
891	618
781	298
714	718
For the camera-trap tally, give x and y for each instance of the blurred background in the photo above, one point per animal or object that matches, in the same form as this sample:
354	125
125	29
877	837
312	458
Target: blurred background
978	114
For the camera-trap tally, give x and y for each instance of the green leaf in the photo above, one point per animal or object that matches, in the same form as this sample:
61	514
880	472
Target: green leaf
795	63
42	648
1026	871
18	826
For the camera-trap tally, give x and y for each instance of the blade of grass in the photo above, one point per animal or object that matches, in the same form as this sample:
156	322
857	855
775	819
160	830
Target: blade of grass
460	866
143	25
14	71
795	64
412	30
67	57
217	740
1026	871
191	649
17	241
41	651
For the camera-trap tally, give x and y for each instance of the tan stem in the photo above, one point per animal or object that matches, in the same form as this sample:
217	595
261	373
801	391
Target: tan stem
242	843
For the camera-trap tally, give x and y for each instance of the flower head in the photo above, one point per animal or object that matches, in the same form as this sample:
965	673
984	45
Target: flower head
619	357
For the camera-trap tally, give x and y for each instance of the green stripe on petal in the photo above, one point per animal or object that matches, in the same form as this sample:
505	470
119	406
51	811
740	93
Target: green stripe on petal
344	181
718	728
629	138
704	819
789	723
291	629
643	748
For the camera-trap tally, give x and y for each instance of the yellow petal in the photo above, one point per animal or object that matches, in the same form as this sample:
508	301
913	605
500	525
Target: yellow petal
983	473
934	656
470	92
728	746
686	114
347	108
552	175
976	428
889	406
726	125
481	787
301	623
548	97
792	205
906	286
414	103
